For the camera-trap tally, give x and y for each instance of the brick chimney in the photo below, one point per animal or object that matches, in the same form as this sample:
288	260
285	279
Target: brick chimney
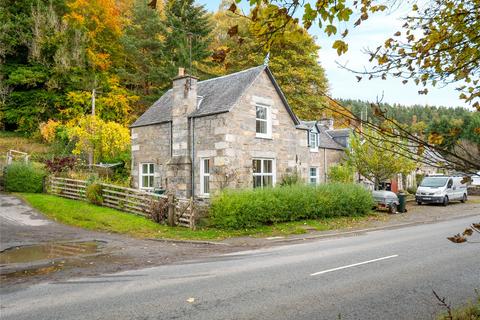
184	102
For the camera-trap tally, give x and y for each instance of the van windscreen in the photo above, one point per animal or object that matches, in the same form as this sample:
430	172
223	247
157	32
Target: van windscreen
433	182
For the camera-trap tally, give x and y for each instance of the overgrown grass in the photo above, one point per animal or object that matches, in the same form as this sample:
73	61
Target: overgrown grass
84	215
12	140
469	312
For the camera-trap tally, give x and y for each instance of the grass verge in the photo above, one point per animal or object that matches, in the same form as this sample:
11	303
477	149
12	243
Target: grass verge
469	312
85	215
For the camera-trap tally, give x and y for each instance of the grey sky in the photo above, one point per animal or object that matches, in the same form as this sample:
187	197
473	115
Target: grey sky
371	33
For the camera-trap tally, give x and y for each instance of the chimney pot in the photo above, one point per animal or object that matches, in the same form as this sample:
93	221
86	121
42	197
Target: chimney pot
181	72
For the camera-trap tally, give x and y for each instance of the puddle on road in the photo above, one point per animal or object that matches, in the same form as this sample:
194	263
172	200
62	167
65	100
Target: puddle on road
48	258
48	251
31	272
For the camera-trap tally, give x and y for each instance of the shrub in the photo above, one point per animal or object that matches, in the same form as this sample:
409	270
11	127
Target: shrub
341	173
60	164
291	178
21	177
94	193
253	208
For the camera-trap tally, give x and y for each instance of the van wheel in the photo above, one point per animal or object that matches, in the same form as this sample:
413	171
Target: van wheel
419	203
464	198
393	208
445	201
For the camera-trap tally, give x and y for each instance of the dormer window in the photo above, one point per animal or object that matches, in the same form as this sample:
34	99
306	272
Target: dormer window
313	140
263	121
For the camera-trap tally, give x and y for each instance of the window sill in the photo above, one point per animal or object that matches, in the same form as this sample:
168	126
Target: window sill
266	137
204	196
314	150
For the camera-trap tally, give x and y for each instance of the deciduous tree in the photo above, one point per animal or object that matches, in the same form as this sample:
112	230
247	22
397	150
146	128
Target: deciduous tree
376	158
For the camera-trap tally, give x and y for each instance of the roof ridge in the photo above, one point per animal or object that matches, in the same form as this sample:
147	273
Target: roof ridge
232	74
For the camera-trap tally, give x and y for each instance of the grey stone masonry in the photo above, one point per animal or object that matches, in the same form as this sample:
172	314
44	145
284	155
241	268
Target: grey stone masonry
179	168
212	124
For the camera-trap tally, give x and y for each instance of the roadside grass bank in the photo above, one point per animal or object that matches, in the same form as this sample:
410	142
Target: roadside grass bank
471	311
88	216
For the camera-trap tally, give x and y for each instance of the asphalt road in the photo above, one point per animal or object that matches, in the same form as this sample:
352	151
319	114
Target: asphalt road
386	274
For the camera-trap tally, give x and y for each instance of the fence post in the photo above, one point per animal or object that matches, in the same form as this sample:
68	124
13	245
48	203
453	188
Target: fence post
171	210
192	214
44	184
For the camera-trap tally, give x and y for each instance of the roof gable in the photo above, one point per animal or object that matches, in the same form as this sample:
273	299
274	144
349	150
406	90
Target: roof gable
218	95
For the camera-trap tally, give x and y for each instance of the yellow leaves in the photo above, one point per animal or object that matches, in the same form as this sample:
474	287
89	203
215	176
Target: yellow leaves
48	130
330	29
340	46
435	138
99	59
106	139
388	43
382	59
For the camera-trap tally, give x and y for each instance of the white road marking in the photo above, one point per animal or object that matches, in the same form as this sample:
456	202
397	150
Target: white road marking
354	265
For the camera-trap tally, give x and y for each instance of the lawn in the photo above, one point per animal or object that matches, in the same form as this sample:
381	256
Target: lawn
85	215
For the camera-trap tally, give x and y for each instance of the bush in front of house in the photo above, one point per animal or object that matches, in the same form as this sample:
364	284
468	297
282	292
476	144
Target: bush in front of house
94	193
240	209
21	177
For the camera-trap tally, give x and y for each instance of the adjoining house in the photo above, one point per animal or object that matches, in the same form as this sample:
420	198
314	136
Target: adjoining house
233	131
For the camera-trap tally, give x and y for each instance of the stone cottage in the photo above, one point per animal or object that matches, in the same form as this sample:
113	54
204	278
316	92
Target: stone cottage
234	131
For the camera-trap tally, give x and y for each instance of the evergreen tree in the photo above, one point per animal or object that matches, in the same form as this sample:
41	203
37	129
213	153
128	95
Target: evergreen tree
293	60
188	30
144	70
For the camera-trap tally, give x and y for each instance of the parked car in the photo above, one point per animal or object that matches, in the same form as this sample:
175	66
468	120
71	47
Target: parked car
386	200
476	179
441	189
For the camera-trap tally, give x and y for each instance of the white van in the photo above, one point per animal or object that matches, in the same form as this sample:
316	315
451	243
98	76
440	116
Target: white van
441	189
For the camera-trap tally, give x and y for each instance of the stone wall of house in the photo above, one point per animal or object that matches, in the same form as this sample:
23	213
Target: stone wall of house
229	141
151	144
288	145
210	139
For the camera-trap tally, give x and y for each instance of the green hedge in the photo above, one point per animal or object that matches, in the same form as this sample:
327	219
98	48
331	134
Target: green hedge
253	208
20	177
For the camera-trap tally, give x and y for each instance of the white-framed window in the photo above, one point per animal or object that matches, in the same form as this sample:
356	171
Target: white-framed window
147	176
263	126
263	173
313	177
205	176
313	140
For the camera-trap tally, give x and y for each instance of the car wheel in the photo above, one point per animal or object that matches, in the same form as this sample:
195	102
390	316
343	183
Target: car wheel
464	198
419	203
393	208
445	201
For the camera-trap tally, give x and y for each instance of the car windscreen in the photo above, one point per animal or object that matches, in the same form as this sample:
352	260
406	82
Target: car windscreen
433	182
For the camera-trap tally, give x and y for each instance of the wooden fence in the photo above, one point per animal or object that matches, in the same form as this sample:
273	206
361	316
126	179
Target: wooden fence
158	207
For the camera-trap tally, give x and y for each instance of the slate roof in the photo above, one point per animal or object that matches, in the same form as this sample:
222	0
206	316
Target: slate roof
337	133
325	140
218	95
